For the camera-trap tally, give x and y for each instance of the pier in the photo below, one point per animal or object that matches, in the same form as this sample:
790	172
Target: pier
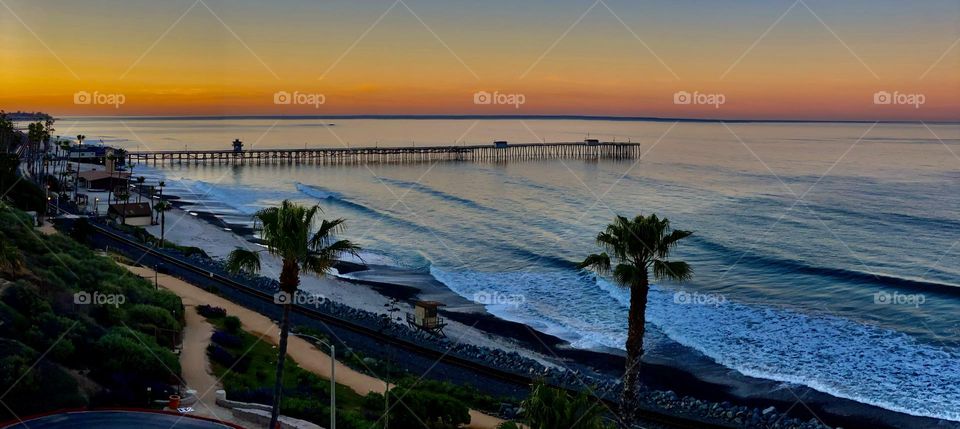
411	154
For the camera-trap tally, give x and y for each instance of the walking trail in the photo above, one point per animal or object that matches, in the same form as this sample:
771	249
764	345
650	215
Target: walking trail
196	368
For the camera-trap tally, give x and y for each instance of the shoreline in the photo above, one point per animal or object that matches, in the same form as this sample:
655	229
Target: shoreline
691	374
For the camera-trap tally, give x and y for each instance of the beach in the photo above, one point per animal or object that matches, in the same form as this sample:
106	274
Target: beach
687	374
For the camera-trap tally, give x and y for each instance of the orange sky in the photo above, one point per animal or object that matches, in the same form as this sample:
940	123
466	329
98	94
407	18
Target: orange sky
768	60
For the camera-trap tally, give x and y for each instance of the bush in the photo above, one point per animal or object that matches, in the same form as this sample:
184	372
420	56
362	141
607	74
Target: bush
437	411
226	339
220	355
210	311
232	324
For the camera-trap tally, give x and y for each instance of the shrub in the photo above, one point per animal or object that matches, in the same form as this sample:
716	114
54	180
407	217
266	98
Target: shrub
232	324
226	339
210	311
220	355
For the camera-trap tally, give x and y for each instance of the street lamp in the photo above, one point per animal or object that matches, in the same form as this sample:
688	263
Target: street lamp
333	376
156	276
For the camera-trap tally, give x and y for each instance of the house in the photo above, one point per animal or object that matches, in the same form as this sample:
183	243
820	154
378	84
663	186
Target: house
137	214
500	143
96	179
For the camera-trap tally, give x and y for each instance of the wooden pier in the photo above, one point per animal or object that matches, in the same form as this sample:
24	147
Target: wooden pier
411	154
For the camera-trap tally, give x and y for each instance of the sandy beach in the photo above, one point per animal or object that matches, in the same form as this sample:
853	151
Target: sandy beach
190	230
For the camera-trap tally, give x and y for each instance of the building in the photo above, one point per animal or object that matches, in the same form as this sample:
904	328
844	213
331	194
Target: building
95	154
96	179
500	143
426	317
137	214
591	142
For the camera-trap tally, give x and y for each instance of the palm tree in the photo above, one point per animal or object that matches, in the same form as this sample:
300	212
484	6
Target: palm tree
76	174
123	194
287	233
161	208
549	407
160	185
140	181
637	246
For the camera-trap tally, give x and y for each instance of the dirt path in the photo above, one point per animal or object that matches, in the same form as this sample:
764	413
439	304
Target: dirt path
196	368
303	352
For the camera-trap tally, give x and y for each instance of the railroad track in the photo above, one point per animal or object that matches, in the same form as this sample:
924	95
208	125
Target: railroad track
656	418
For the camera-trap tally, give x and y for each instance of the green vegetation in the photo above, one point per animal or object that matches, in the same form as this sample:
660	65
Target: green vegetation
638	246
549	407
246	365
288	234
107	334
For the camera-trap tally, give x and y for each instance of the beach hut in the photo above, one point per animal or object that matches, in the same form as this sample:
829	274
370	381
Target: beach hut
137	214
425	317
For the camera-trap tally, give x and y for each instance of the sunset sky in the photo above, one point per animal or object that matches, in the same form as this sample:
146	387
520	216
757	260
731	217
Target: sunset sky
771	59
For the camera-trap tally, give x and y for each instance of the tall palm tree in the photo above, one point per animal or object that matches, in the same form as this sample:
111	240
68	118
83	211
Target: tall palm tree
288	233
161	208
140	181
123	194
76	174
637	246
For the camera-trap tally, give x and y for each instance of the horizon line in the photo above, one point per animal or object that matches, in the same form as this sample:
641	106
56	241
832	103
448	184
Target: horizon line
509	117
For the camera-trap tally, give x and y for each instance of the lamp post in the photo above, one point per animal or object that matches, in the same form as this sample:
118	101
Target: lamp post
156	276
333	376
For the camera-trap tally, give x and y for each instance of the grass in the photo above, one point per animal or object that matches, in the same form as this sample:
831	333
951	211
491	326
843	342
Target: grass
306	395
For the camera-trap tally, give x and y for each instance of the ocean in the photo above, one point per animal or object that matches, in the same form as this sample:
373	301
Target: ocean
825	254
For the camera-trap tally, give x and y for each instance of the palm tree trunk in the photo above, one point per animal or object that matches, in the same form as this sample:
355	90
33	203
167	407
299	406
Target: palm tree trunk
635	332
163	226
289	281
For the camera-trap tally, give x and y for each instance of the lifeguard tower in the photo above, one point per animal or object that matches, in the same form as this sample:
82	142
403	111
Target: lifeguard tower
425	318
